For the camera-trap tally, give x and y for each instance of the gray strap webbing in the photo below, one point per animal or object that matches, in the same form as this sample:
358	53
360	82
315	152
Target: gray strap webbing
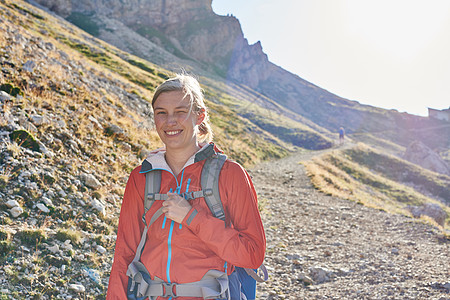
255	275
152	186
213	285
137	256
210	184
151	192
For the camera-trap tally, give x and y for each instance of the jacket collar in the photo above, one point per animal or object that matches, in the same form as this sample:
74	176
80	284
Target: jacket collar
156	159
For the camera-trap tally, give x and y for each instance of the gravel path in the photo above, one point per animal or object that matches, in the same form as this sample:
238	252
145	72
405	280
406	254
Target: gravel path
322	247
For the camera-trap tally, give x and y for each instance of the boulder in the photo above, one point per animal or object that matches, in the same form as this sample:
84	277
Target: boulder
43	208
4	96
418	153
53	249
101	249
37	120
29	66
16	211
96	204
78	288
90	181
12	203
431	210
320	275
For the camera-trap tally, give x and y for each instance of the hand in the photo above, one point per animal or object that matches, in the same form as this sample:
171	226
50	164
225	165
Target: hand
175	207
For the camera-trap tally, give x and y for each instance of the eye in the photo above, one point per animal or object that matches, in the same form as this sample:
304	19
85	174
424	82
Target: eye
160	112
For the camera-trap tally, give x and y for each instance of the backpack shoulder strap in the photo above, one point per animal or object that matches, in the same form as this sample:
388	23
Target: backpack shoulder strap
151	192
210	184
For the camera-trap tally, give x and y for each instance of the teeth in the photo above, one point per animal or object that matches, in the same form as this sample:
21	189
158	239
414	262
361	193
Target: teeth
172	132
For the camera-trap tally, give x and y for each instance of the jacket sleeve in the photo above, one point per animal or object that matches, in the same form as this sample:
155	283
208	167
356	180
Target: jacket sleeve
244	243
128	237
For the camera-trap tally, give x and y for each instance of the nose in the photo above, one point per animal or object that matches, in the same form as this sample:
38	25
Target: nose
171	120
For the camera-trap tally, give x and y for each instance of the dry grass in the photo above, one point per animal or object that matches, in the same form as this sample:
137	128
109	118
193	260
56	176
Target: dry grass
338	175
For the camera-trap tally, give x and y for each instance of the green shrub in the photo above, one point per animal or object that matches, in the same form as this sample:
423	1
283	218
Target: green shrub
4	235
85	22
68	234
141	66
24	139
31	237
10	89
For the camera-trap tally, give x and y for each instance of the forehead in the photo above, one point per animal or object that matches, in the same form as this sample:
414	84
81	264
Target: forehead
171	99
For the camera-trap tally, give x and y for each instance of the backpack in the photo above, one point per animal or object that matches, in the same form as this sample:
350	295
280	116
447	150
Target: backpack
242	282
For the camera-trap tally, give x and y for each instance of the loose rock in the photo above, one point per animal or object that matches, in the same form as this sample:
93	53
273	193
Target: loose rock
16	211
77	288
90	181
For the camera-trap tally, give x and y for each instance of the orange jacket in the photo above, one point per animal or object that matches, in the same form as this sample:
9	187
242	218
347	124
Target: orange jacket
183	253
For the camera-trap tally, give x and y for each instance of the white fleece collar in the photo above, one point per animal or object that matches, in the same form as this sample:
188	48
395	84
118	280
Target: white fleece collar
158	160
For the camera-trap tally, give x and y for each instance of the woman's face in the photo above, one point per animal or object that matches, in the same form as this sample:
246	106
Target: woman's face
175	123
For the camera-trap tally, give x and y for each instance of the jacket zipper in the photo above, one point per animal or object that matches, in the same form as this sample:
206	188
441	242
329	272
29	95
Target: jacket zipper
172	223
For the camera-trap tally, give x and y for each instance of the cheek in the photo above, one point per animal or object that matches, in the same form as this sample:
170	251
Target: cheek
158	121
186	120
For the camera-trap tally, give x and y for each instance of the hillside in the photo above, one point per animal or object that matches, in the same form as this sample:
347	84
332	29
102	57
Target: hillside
188	34
382	181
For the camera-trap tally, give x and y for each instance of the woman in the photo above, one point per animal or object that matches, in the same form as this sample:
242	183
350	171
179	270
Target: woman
186	244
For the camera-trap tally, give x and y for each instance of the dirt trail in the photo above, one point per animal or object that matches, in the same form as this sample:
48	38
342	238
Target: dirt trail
322	247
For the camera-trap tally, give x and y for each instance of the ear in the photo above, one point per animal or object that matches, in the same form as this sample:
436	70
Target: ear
201	116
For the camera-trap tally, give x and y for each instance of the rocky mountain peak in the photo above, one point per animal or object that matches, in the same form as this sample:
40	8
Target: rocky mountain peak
190	26
148	12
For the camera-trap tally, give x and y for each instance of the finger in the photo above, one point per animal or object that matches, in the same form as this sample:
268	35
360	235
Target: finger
172	196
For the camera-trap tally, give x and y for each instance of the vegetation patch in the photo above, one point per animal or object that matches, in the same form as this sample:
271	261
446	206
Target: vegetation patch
24	139
11	89
37	16
141	65
5	245
86	22
151	33
112	63
68	234
31	237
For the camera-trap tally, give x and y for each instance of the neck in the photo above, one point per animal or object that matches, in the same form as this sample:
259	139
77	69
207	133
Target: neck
177	158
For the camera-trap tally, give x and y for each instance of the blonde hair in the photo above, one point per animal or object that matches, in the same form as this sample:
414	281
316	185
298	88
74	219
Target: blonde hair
191	88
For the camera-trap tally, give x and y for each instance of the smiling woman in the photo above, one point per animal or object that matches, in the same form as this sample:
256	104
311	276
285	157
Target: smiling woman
181	119
202	243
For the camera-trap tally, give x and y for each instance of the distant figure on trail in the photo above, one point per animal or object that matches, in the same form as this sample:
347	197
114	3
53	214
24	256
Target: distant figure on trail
176	237
341	135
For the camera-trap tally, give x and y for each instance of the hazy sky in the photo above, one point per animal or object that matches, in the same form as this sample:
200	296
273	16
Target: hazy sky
386	53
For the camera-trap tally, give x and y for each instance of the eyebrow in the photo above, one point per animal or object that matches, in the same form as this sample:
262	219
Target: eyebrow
178	107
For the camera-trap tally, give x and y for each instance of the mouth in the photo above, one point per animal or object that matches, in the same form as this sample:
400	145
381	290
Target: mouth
173	132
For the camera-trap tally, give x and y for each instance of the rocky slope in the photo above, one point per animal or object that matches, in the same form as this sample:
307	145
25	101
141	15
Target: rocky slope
189	34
